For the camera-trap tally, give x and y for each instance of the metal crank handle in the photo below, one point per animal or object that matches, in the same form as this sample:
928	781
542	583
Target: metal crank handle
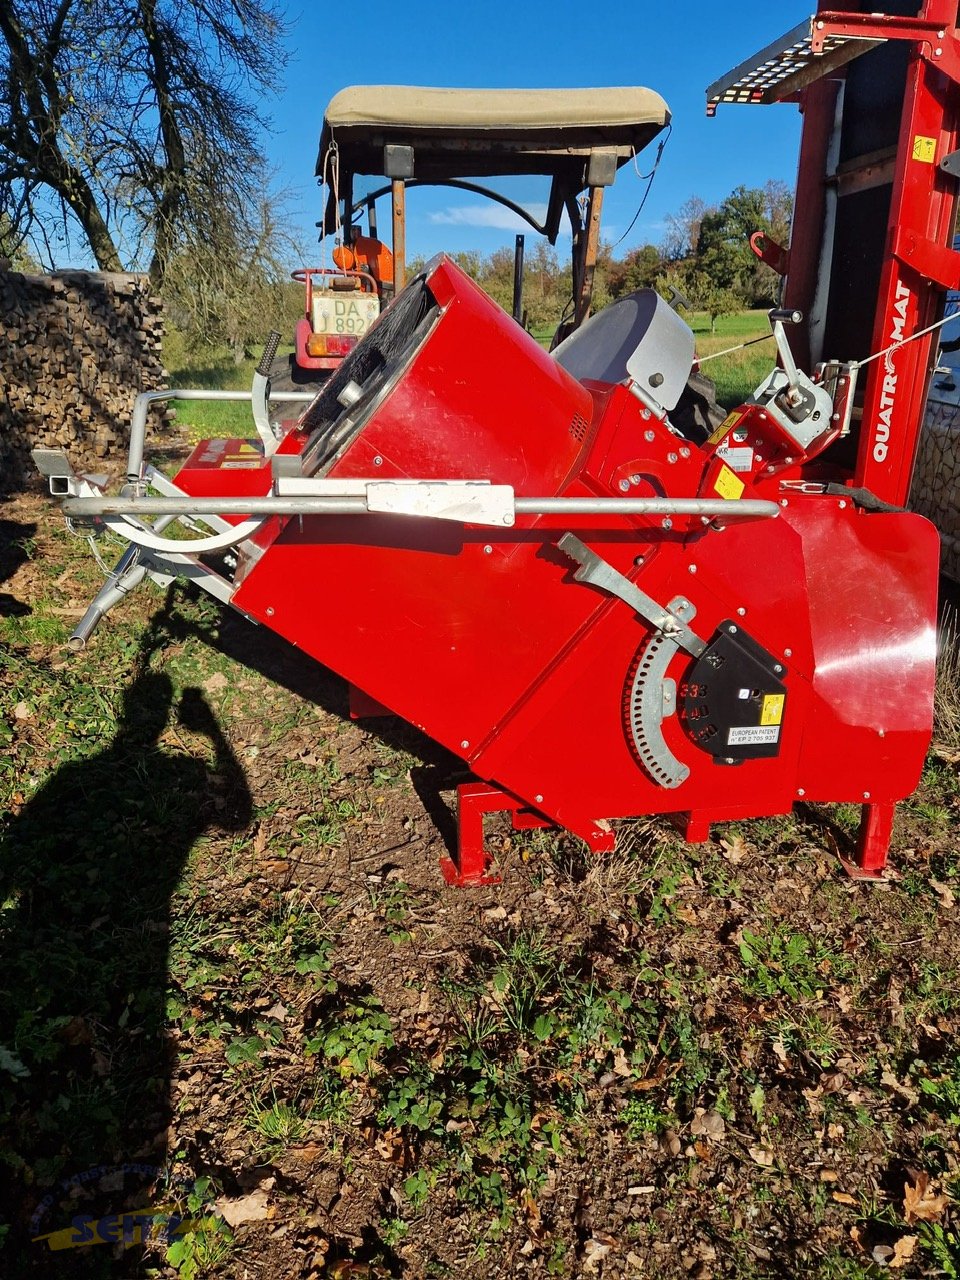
599	573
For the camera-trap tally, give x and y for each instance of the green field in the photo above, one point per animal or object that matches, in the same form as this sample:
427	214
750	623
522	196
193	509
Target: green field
738	374
735	375
211	370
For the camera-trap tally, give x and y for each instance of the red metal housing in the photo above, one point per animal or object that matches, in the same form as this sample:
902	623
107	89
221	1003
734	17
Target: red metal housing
483	639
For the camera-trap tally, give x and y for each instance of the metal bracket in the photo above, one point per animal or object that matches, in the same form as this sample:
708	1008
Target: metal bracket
464	501
469	502
669	620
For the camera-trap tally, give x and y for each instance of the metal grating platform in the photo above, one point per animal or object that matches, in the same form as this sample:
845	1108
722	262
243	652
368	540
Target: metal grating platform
784	67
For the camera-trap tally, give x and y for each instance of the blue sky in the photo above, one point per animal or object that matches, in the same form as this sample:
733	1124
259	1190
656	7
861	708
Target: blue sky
675	48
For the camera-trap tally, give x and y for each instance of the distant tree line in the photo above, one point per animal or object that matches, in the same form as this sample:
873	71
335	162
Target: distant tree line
705	256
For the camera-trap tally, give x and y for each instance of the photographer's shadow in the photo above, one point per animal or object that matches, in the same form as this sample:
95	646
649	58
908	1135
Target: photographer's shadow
88	871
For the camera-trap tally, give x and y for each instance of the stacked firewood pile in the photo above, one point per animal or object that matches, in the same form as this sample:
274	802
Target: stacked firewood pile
76	348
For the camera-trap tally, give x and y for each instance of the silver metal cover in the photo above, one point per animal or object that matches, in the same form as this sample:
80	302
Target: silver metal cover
639	337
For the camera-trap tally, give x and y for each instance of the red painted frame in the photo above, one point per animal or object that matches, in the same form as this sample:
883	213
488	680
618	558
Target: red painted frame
920	264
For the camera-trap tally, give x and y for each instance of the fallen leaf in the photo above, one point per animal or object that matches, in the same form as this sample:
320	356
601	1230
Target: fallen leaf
812	1098
944	893
670	1143
734	850
903	1251
595	1250
532	1211
390	1146
250	1208
21	711
920	1202
762	1156
833	1082
890	1081
309	1153
843	1197
708	1124
621	1066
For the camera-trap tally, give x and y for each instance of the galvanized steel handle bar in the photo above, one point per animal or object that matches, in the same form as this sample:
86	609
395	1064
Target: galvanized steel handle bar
141	407
355	505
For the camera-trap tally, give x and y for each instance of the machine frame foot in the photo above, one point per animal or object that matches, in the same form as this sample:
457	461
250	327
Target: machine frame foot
873	843
363	707
472	863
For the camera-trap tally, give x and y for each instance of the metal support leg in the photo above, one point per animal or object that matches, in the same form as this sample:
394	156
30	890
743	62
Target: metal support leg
694	826
873	842
127	575
474	801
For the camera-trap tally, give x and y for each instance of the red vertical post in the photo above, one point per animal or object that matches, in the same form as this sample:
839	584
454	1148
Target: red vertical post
913	280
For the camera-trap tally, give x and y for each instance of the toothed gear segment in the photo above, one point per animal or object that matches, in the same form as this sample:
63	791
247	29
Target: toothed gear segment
648	697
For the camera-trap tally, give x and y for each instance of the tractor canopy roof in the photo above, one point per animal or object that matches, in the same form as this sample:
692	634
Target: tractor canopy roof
458	133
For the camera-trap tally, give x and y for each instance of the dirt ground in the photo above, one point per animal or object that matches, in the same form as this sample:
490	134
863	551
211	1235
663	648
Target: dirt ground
235	989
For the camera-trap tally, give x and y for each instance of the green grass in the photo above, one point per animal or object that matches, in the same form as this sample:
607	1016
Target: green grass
740	373
212	369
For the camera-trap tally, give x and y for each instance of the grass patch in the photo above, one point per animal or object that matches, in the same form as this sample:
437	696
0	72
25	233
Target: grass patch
211	369
225	946
737	375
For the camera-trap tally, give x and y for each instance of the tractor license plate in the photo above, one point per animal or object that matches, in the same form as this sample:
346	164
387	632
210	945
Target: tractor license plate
344	316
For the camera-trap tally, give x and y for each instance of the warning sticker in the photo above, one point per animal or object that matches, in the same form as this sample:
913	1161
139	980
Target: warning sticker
748	737
243	457
728	485
924	149
729	422
772	710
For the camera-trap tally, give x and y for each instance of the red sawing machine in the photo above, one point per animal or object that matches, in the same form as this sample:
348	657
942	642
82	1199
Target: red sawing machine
521	555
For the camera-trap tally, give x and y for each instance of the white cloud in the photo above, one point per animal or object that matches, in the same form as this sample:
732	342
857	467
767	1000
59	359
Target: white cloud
488	215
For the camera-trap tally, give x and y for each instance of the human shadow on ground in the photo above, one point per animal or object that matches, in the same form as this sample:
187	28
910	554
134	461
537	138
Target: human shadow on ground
14	537
88	870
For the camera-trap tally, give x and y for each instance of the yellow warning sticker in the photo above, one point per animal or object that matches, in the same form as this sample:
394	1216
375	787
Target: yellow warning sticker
729	422
728	485
924	149
772	710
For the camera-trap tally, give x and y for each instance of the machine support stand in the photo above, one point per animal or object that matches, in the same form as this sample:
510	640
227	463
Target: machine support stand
363	707
873	842
474	800
694	826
